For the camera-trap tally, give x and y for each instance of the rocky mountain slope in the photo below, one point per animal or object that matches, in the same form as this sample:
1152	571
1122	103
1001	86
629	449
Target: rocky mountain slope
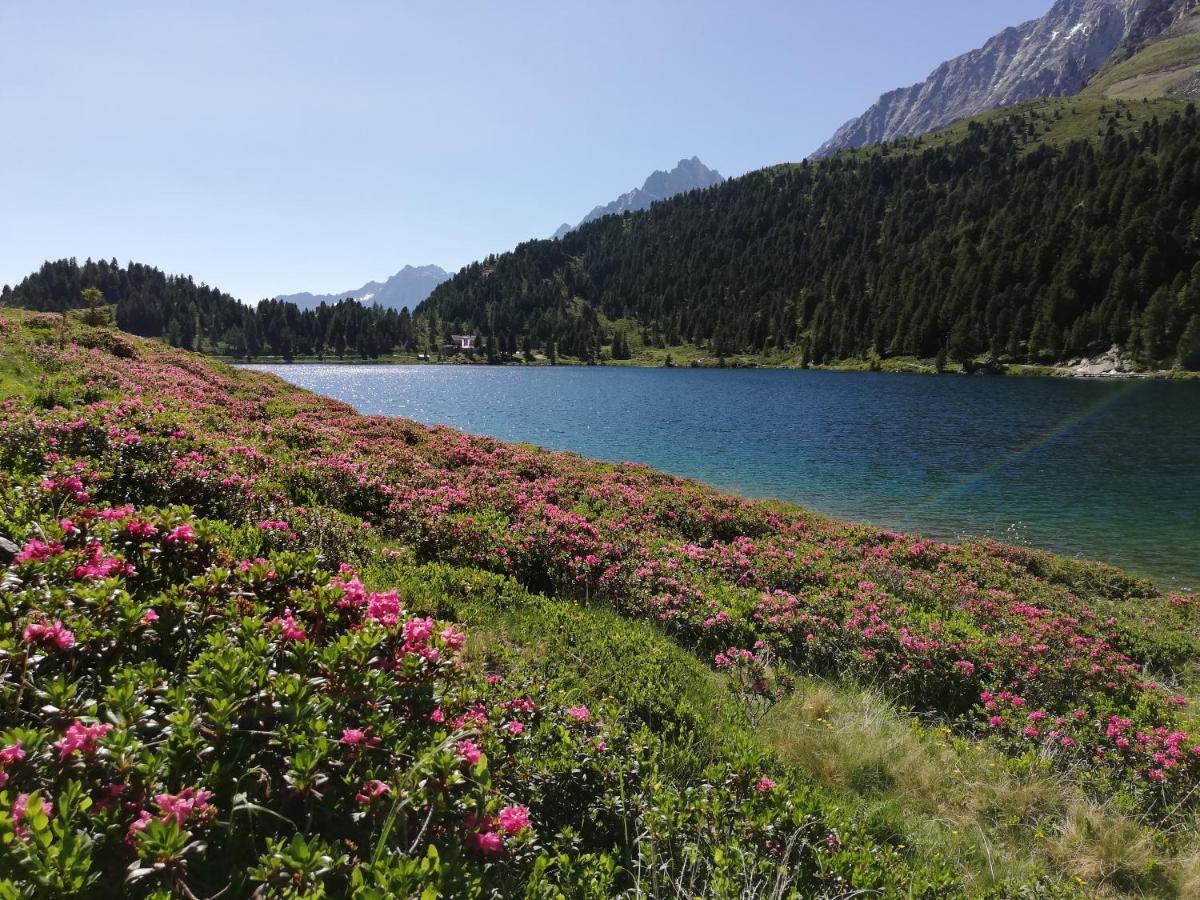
407	288
688	175
1052	56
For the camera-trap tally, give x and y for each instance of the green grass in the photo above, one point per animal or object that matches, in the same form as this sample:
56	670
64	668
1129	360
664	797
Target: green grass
11	383
17	376
1056	121
589	652
1151	72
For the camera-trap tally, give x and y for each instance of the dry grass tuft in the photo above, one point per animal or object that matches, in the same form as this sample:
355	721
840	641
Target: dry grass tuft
994	818
1110	852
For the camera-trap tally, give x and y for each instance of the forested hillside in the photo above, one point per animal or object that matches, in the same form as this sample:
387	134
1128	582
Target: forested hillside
997	243
198	317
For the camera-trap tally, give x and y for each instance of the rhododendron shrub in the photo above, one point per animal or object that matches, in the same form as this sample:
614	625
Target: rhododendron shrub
217	703
754	679
265	695
202	695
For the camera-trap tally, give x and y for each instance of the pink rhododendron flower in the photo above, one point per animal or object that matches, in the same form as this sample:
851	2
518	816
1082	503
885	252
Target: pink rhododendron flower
482	838
182	806
289	628
358	737
9	755
35	550
384	608
514	819
20	810
469	751
97	565
188	805
82	738
55	635
417	632
515	727
484	843
142	530
371	790
579	713
180	534
353	593
764	785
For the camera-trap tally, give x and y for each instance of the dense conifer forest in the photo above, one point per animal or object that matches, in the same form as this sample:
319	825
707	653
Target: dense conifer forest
994	244
197	317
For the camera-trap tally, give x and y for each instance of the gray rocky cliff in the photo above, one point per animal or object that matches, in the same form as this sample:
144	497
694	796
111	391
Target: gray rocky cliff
1049	57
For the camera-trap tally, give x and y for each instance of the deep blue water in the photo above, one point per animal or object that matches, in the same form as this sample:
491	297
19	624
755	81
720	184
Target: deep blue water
1100	470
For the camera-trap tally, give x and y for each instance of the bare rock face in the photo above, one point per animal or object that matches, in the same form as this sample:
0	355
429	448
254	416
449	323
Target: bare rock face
1049	57
1111	364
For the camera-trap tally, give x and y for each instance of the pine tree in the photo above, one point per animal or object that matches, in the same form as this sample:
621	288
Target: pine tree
95	312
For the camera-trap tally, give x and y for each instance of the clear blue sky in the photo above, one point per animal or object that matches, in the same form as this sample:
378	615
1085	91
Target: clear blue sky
274	147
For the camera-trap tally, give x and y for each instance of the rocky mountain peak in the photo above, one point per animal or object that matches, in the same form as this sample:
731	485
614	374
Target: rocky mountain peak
688	175
407	288
1047	57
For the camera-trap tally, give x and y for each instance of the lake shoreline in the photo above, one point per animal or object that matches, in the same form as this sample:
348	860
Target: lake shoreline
901	366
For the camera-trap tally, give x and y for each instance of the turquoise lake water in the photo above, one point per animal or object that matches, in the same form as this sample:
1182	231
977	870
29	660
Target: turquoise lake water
1098	470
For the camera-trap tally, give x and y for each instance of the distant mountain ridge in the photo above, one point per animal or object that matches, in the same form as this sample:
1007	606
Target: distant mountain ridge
1048	57
688	175
407	288
410	287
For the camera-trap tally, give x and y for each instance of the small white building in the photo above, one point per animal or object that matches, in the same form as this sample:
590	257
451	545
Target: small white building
463	341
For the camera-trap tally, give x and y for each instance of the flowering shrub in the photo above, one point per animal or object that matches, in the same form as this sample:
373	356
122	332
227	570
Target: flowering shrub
754	679
202	692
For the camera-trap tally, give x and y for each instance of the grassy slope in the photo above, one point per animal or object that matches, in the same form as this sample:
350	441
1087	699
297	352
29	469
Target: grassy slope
993	816
1160	69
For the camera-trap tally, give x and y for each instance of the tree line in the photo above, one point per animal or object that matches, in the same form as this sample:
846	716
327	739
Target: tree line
978	247
197	317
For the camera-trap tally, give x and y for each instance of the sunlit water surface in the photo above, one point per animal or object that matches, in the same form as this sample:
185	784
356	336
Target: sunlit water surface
1101	470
